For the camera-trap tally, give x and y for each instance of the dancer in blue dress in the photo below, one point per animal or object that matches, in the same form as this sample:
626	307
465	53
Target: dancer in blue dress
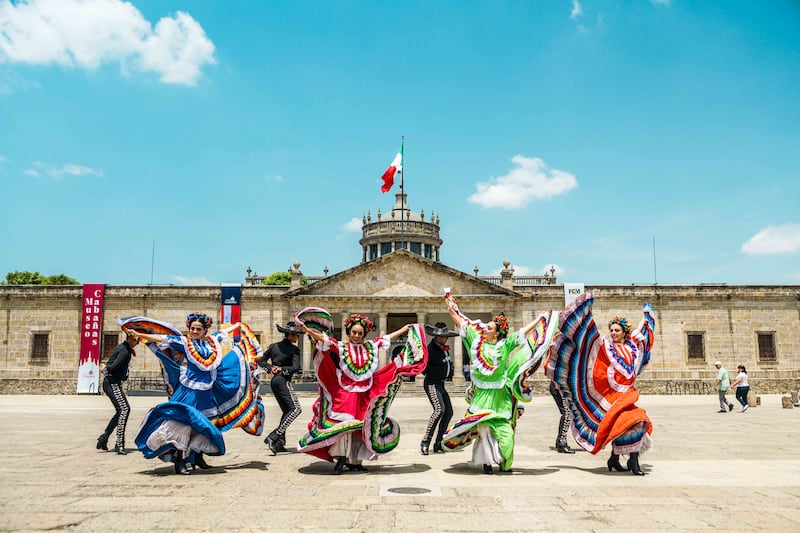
210	391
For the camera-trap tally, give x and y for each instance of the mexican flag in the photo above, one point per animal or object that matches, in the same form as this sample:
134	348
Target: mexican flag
395	168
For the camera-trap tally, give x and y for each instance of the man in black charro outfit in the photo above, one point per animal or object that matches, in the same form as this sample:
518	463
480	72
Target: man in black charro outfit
116	371
283	359
439	369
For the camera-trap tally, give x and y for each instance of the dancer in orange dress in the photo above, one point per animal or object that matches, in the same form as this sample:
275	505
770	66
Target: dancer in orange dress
596	375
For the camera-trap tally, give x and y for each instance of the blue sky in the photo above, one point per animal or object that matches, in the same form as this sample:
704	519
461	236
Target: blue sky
565	133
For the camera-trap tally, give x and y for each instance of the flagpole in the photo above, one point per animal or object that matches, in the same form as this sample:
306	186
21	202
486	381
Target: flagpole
402	195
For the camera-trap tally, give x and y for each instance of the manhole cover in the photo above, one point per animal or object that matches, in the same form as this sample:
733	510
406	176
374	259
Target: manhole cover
408	490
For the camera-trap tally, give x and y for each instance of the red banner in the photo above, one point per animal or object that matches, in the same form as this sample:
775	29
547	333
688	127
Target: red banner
91	335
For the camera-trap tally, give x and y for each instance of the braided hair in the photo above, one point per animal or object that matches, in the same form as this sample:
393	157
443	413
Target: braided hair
199	317
357	318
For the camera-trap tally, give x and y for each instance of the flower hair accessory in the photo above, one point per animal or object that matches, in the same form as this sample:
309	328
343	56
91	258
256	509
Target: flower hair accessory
623	323
199	317
501	321
357	318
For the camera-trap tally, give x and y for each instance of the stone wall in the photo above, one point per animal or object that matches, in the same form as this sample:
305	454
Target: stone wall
729	318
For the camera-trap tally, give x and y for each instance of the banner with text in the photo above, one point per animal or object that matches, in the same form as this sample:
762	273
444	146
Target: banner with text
91	328
572	291
231	305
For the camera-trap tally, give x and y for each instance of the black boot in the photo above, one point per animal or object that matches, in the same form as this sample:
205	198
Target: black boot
180	464
102	442
563	447
201	463
120	449
337	468
613	463
423	447
633	464
487	469
273	444
437	448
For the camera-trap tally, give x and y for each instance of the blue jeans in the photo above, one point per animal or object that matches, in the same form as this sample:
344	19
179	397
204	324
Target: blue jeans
741	395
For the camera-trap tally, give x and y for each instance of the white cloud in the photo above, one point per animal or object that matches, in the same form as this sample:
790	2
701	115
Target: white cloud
576	10
197	280
774	240
69	169
89	33
274	179
529	180
353	226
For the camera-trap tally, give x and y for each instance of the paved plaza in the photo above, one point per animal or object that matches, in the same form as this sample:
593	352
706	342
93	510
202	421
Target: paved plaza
708	471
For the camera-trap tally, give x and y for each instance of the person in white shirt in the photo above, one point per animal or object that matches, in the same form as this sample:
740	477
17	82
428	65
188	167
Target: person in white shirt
742	387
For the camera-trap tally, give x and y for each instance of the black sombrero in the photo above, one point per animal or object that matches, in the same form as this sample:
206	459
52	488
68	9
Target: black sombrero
291	327
439	330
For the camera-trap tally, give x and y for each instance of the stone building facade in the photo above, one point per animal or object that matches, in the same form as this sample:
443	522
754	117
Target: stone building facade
758	326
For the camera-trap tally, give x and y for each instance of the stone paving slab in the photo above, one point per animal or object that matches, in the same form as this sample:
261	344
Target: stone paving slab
708	471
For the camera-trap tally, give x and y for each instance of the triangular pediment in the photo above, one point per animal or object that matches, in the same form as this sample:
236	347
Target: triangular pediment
400	274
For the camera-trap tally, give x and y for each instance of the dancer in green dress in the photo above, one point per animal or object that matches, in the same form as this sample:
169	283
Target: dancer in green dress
499	362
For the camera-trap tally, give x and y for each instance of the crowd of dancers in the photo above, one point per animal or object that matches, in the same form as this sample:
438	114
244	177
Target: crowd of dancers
213	380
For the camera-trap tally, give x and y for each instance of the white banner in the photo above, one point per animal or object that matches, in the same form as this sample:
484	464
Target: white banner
572	291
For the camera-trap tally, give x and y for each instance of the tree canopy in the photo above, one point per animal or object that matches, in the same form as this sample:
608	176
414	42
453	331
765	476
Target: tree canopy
281	277
34	278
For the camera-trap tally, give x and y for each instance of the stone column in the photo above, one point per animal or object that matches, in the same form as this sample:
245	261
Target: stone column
458	365
306	350
383	356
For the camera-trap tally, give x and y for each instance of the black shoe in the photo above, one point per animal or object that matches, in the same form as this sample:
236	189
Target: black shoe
633	464
564	448
180	467
201	463
509	471
273	445
337	468
102	442
613	463
487	469
730	407
437	448
423	447
356	467
120	449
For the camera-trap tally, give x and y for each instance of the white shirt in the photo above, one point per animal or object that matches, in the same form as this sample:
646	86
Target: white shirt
743	377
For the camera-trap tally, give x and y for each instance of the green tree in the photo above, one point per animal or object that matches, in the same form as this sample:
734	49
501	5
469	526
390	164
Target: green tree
34	278
280	277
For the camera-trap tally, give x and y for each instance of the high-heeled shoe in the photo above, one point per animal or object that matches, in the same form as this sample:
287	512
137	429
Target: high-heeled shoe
633	464
437	448
120	449
337	468
201	463
423	447
102	442
180	464
613	463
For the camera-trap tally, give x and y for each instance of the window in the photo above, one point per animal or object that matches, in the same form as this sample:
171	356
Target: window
40	348
416	247
386	248
373	252
695	344
429	251
400	245
110	341
766	348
